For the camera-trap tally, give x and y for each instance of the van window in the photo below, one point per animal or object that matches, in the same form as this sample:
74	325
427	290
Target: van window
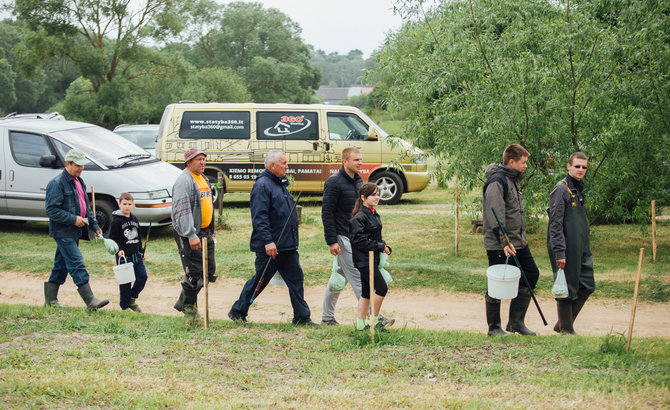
287	126
346	127
28	148
215	124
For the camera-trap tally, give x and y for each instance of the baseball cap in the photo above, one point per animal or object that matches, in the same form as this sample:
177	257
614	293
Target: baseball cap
76	156
192	153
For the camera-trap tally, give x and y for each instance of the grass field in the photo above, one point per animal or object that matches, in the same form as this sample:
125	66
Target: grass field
420	229
110	359
72	358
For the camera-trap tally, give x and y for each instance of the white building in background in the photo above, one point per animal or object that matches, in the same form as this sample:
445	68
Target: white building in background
331	95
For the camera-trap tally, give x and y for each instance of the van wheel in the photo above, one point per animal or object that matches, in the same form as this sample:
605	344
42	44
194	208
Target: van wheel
390	187
103	214
215	192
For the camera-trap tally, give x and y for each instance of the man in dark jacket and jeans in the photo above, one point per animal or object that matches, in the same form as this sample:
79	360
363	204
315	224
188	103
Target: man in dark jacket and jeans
271	205
568	242
70	217
339	196
502	192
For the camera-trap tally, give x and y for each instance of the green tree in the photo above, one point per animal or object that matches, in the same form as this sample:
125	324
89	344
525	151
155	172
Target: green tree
102	38
262	45
35	93
555	77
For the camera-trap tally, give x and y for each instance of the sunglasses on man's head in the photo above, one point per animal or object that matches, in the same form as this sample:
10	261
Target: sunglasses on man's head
580	166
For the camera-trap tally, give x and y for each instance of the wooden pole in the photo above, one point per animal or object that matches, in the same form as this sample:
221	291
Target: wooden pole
371	259
219	197
653	230
456	227
205	276
93	204
635	297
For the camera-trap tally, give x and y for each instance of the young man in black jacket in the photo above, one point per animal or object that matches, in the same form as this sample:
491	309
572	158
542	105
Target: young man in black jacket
339	196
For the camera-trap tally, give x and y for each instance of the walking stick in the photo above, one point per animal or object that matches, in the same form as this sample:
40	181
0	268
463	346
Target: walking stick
523	275
205	276
93	203
146	240
371	259
260	282
635	296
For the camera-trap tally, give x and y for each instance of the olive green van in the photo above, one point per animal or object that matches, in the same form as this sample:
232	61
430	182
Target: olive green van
236	138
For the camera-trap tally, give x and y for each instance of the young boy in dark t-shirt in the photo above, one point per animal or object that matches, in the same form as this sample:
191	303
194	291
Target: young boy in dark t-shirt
125	231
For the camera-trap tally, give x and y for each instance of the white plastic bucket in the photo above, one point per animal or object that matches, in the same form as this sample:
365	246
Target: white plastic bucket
503	281
124	272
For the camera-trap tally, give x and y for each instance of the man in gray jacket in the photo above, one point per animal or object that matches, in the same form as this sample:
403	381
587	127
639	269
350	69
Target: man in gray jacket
502	192
568	242
193	220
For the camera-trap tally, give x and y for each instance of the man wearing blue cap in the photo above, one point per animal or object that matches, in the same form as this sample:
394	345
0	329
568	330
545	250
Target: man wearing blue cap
70	217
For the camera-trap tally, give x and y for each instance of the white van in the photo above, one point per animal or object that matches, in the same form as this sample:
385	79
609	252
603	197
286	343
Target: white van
33	152
236	138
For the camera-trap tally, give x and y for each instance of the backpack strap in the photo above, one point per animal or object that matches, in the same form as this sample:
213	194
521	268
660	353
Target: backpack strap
500	178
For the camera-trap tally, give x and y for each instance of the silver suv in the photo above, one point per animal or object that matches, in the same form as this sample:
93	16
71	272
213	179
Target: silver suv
143	135
32	154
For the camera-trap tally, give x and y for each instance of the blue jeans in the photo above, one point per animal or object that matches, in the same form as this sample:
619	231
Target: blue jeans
288	265
68	259
128	291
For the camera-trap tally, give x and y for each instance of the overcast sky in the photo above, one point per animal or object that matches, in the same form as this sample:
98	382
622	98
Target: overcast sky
340	25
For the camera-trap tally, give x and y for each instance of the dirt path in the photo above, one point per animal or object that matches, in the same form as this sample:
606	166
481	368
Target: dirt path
426	310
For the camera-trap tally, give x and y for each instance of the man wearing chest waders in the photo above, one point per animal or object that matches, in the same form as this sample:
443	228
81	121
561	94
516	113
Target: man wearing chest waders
568	242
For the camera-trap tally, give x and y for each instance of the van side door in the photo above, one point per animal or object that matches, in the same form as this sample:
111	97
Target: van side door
298	132
349	130
4	143
27	181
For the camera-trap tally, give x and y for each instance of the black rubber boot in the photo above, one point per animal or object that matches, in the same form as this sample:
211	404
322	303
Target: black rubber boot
577	306
179	305
51	295
565	319
92	302
517	313
493	316
190	302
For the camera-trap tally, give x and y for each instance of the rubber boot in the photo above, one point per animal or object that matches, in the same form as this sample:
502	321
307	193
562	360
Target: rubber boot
517	313
51	294
565	319
493	316
179	305
190	301
92	302
577	306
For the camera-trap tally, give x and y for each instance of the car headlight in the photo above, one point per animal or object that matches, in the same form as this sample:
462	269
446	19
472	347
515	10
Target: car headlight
151	195
420	159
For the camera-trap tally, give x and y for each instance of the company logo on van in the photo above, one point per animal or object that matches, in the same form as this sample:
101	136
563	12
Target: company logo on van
286	126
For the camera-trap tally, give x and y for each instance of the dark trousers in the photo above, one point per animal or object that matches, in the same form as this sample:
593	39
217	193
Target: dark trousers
191	261
526	260
380	284
288	265
128	291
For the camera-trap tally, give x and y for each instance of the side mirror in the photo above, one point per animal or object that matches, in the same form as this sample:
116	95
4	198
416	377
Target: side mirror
372	134
48	161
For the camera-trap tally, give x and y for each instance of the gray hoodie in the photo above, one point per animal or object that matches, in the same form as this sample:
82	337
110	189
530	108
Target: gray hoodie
509	210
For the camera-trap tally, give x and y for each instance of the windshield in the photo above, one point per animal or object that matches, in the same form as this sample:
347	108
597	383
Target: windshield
381	131
145	138
103	146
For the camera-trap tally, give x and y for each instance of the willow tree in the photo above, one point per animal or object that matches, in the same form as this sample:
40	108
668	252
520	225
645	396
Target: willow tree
555	77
